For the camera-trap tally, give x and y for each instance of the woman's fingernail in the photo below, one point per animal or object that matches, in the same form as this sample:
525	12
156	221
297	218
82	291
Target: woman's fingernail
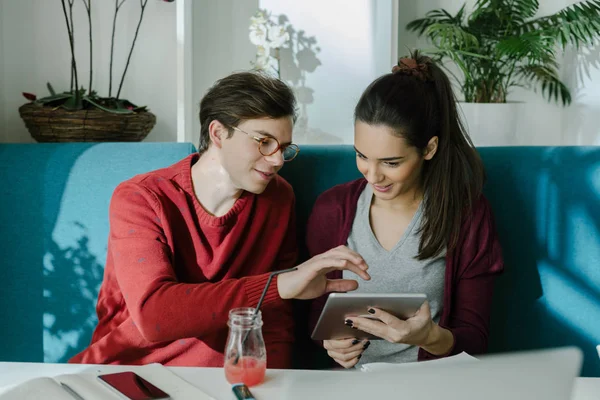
371	311
348	323
355	341
359	356
366	346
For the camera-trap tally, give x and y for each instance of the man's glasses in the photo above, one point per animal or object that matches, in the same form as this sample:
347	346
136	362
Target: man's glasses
268	146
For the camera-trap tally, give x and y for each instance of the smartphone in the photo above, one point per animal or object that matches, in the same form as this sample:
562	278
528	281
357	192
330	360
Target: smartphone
133	386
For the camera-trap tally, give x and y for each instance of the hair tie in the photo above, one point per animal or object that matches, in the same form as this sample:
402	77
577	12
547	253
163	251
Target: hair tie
410	67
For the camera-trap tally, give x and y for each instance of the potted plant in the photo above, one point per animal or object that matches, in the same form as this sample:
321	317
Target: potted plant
81	114
500	45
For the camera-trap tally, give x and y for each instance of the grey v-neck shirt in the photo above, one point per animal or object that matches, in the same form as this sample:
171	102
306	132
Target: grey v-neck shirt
395	271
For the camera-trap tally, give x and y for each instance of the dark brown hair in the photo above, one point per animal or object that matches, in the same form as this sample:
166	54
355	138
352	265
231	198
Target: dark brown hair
242	96
416	101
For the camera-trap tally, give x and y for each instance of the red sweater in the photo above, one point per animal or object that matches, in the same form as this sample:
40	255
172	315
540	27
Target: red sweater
173	272
470	269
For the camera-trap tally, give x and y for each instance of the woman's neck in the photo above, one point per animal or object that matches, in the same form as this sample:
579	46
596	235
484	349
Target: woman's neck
212	184
405	201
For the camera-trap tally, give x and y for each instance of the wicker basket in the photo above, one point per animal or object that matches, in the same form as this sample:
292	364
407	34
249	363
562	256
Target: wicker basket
47	124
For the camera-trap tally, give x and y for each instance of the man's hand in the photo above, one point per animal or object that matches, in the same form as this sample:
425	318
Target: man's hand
309	280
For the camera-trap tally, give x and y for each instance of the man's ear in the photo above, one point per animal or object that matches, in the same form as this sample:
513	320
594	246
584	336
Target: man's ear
431	148
217	133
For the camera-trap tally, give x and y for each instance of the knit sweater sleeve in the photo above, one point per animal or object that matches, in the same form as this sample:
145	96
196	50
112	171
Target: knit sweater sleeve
479	261
162	308
288	254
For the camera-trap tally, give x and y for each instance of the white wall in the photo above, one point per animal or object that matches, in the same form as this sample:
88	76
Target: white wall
220	45
541	123
582	72
354	39
547	123
35	50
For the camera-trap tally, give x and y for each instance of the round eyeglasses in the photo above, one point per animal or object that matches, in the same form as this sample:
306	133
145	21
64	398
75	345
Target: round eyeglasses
268	145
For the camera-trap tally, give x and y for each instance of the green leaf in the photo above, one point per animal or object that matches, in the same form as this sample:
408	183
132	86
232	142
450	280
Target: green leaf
50	89
452	52
451	36
538	48
56	97
442	15
552	87
525	8
458	18
481	7
73	103
110	110
420	25
576	25
434	17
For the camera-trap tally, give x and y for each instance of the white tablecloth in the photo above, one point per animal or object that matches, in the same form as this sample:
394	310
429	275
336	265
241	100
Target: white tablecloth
212	380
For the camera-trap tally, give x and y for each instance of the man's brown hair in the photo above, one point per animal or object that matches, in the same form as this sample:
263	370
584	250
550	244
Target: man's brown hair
242	96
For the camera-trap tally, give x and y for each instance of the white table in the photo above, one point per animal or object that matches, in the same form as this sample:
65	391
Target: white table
212	380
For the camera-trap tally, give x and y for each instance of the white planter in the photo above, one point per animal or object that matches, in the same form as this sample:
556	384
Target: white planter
491	124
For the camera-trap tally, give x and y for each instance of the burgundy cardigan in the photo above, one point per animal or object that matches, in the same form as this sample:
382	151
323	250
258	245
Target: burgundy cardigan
470	269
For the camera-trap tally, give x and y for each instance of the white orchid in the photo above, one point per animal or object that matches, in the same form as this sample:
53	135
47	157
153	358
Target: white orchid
266	34
278	36
258	35
258	19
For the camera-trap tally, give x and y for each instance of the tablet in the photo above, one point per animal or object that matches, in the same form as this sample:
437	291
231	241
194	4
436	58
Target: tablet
339	306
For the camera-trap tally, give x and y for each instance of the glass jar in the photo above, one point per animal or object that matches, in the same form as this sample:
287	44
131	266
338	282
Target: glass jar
245	352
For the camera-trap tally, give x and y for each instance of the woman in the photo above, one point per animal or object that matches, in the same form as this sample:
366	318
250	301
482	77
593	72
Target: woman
418	218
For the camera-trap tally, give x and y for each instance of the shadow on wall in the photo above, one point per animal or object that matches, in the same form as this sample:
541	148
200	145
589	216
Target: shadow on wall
298	59
72	278
570	273
30	202
546	209
580	125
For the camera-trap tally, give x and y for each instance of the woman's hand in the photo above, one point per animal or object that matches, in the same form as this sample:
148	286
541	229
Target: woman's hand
419	330
346	352
309	280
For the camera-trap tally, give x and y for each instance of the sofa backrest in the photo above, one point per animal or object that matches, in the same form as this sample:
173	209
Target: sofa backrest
54	228
546	203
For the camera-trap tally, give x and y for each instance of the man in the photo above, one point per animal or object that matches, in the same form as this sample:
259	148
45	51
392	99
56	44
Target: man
190	242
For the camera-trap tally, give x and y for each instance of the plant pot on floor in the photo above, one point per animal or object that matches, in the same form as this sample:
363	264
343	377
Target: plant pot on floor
52	124
491	124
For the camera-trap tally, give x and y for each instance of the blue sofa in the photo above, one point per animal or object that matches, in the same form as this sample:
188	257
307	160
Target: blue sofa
54	226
